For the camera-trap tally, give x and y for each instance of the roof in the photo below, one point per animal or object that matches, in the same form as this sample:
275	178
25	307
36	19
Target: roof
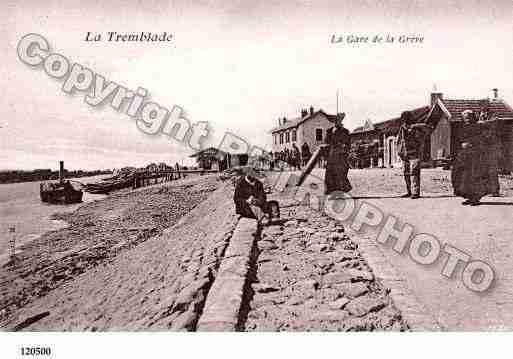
392	125
497	108
211	151
290	123
214	152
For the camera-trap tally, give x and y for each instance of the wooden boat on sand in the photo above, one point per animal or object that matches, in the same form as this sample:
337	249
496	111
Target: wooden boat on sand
57	192
60	192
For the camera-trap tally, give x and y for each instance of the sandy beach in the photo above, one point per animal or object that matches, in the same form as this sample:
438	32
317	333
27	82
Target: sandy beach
96	233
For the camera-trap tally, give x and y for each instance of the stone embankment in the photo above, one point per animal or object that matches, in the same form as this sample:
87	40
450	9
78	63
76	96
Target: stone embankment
310	275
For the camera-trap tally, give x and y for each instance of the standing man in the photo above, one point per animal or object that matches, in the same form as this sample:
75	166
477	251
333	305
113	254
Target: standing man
305	153
296	157
411	141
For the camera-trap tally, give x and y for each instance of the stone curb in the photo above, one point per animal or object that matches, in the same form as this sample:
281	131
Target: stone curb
224	300
414	313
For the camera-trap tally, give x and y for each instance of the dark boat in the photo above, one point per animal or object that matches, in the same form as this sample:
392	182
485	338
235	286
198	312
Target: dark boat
57	192
61	191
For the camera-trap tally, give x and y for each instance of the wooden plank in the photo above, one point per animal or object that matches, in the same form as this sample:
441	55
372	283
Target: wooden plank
310	165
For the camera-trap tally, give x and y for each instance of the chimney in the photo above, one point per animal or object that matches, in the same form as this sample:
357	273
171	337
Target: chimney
284	120
495	93
436	96
61	171
311	110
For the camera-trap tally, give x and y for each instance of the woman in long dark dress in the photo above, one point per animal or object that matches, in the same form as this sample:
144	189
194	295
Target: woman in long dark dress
337	165
470	173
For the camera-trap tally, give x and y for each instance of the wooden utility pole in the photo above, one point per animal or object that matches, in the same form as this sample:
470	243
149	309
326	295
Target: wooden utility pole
61	171
337	101
177	166
12	231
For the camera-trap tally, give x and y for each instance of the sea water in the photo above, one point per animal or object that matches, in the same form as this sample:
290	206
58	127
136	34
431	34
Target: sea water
21	207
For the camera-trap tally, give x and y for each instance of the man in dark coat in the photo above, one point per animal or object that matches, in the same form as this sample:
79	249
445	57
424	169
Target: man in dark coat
296	157
249	197
271	161
305	153
337	165
411	141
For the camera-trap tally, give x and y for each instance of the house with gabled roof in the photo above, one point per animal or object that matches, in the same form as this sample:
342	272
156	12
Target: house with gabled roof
212	158
311	127
375	145
445	115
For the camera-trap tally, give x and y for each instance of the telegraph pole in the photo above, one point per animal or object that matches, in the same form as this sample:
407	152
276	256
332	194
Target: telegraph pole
337	101
12	242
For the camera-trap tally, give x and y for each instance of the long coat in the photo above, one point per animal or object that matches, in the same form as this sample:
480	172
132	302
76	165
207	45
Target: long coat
474	173
337	165
243	191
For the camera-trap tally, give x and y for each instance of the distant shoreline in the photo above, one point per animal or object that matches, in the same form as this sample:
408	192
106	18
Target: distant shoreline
22	176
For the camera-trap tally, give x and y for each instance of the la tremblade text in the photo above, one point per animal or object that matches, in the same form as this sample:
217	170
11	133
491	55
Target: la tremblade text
114	36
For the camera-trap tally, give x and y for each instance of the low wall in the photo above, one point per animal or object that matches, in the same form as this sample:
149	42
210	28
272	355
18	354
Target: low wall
224	302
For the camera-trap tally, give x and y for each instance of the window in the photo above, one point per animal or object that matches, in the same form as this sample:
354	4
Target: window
275	139
294	135
281	138
318	134
287	136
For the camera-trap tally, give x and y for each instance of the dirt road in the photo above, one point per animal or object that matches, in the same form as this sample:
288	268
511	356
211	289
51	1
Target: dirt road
483	232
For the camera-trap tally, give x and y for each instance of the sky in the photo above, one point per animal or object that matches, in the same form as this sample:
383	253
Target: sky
239	65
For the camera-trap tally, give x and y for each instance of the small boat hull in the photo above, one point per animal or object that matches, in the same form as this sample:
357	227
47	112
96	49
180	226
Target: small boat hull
55	193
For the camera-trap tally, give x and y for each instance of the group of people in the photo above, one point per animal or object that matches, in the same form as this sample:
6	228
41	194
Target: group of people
293	157
474	168
475	165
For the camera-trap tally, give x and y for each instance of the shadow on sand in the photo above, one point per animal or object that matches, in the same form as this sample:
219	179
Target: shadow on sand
496	204
399	196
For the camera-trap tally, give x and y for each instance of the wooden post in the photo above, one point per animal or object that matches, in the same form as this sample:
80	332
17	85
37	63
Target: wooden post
61	171
177	169
12	230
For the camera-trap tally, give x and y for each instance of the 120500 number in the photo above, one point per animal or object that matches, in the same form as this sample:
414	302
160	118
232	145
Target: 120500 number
35	351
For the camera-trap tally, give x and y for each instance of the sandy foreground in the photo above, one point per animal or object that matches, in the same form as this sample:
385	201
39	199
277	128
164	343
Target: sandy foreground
146	259
98	233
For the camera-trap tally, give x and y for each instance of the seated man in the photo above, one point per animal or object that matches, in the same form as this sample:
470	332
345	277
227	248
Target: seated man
249	197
